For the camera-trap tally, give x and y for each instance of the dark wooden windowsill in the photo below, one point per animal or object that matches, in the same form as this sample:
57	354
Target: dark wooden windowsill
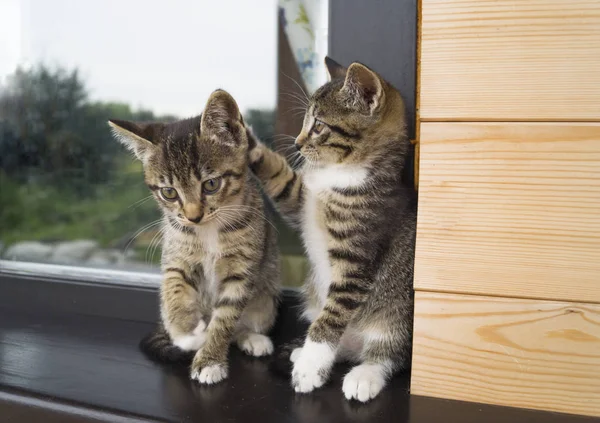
68	353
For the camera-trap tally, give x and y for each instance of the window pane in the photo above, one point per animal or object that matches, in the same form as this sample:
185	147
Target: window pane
69	193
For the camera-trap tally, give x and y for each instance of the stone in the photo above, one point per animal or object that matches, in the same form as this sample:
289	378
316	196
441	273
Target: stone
74	252
28	251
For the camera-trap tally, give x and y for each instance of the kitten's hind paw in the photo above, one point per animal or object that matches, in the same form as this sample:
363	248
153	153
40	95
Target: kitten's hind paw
364	382
256	344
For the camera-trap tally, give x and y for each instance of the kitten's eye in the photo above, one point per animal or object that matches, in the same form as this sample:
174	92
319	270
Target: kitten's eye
168	193
318	126
211	186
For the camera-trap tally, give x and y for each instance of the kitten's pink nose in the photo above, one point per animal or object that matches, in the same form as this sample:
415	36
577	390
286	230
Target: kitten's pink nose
300	141
196	219
193	212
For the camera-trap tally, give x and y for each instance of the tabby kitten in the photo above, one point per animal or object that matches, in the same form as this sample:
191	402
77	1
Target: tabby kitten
358	222
220	259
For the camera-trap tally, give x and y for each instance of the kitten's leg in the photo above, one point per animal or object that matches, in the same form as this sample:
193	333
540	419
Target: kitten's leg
350	346
280	182
350	285
180	310
256	321
385	351
210	363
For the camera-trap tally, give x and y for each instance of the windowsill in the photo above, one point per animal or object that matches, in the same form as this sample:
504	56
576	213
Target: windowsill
68	353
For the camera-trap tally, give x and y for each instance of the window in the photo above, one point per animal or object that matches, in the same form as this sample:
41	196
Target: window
70	194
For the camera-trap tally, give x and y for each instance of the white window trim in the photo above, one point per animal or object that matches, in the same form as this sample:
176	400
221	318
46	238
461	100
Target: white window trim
81	274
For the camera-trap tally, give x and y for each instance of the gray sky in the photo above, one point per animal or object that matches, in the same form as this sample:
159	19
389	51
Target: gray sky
163	55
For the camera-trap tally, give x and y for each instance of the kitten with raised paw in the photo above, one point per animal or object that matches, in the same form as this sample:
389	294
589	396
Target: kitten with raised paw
358	222
220	260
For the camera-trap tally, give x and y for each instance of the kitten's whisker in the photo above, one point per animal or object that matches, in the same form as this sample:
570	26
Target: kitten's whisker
297	84
298	109
149	247
293	156
295	102
285	149
278	137
230	225
140	231
298	98
298	161
140	202
249	209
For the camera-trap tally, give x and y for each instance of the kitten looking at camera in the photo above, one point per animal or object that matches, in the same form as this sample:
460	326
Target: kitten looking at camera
358	223
220	260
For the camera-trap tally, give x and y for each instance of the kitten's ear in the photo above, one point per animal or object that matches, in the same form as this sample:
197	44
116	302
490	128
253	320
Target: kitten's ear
334	69
140	138
365	86
222	119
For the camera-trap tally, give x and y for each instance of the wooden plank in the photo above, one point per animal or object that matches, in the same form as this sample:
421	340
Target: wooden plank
520	353
510	210
510	60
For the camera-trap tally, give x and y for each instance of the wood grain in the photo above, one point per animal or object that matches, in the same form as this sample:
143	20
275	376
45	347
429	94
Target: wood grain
520	353
510	210
505	60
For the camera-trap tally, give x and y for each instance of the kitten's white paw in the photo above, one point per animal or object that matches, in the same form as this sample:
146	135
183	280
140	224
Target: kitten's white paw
256	344
295	354
211	374
194	341
190	342
312	366
364	382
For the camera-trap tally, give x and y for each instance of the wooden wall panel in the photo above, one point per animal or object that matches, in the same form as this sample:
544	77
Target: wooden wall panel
520	353
510	210
507	60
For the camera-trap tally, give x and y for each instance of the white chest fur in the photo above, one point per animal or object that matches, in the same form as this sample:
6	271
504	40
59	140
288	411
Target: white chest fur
318	182
211	253
203	248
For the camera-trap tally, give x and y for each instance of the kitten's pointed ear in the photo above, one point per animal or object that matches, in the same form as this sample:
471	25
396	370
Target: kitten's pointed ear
334	69
365	86
222	119
140	138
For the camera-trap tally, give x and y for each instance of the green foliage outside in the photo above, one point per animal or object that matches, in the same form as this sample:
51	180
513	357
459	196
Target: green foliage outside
63	176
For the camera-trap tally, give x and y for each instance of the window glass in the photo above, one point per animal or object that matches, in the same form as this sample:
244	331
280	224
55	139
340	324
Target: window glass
69	193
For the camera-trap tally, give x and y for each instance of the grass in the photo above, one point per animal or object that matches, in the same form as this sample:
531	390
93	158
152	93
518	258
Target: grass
110	214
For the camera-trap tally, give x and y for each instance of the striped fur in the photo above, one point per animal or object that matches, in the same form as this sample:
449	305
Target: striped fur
358	222
220	260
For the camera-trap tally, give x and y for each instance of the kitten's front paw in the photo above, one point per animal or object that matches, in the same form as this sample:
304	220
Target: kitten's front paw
256	344
210	374
312	366
364	382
